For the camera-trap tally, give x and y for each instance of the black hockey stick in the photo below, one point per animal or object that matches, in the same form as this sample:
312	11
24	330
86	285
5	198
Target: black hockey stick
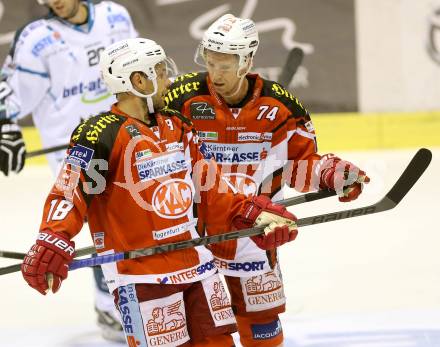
406	181
45	151
294	60
322	194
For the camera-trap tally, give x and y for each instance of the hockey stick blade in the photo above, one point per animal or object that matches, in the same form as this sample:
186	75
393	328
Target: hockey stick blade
406	181
294	60
81	252
45	151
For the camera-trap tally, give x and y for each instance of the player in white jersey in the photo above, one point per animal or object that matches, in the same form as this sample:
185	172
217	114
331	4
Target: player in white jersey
52	72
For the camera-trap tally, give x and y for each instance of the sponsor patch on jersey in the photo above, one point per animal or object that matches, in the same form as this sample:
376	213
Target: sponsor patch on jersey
98	240
309	126
145	154
174	146
254	137
266	331
219	304
80	156
132	130
204	150
45	42
247	266
233	128
208	135
67	181
236	153
161	166
263	292
202	111
189	274
173	231
164	321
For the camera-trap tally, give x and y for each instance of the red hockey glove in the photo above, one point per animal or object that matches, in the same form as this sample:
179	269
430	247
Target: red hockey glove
260	210
46	264
342	176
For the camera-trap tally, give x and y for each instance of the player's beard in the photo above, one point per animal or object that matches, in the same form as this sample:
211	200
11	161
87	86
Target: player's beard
74	11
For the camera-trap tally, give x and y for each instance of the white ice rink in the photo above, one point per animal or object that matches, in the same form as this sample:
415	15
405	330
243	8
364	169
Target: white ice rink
371	281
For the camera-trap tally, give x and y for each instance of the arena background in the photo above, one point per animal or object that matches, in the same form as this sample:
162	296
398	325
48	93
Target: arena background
361	58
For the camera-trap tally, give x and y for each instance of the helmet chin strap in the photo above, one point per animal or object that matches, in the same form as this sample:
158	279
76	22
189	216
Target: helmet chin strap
150	104
147	97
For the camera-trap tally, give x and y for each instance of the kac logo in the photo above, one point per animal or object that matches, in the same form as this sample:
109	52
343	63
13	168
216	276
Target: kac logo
172	198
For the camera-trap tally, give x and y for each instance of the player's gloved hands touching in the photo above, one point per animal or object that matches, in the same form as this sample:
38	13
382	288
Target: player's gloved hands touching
46	264
260	210
342	176
12	148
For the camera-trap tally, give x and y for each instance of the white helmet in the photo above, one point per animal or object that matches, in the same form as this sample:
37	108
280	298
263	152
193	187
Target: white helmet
231	35
119	60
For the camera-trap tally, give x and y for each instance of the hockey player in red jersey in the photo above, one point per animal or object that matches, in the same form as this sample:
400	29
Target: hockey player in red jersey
52	72
138	174
263	139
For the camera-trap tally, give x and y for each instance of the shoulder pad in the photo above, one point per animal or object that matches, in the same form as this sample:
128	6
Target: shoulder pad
170	113
34	28
95	128
277	91
186	87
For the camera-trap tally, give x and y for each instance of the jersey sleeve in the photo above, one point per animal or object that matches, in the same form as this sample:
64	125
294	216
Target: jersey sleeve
26	74
83	175
302	148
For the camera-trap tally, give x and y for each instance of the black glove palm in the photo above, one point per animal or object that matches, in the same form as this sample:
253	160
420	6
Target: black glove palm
12	148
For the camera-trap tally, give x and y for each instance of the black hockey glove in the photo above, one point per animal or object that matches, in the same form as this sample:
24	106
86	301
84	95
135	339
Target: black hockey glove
12	148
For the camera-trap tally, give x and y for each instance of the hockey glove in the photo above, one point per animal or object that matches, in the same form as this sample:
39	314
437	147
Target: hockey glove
46	264
341	176
260	210
12	148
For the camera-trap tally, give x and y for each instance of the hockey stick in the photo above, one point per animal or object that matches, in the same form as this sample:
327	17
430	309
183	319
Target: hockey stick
294	60
45	151
322	194
406	181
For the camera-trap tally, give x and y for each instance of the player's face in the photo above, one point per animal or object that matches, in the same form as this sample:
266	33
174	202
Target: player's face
64	8
222	69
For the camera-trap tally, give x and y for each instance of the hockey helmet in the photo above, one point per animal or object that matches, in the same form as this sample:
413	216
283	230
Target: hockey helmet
231	35
121	59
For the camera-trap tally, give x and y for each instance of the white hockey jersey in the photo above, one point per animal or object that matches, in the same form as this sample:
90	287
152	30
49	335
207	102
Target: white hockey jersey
53	71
